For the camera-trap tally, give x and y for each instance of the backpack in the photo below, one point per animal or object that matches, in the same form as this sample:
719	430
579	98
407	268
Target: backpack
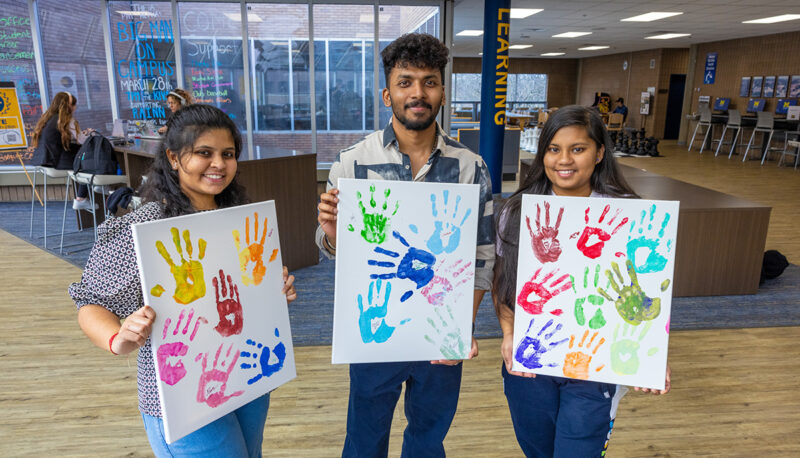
96	156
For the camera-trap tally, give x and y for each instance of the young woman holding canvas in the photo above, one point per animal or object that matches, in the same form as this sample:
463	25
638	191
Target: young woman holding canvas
556	416
195	172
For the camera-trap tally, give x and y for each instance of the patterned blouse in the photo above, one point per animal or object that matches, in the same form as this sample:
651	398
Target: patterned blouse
111	280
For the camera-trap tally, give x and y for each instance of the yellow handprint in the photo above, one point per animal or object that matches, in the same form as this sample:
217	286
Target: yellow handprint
253	252
189	282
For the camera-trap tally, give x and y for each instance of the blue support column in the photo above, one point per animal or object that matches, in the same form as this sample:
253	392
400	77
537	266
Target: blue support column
494	86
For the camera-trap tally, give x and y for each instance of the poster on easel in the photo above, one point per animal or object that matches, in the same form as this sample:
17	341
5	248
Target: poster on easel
12	128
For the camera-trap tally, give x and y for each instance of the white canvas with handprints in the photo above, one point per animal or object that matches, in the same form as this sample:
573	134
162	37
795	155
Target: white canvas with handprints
594	288
405	267
221	337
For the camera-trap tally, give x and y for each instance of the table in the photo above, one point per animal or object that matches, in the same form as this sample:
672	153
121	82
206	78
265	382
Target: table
721	238
289	177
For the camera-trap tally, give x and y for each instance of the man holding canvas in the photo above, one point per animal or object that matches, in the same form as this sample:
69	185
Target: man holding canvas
411	148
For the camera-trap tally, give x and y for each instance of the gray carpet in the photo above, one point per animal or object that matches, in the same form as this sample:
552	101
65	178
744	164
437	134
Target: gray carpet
776	304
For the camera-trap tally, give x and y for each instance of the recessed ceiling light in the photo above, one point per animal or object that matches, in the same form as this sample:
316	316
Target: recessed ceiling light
654	16
522	13
251	17
571	34
549	54
667	36
774	19
470	33
593	48
519	46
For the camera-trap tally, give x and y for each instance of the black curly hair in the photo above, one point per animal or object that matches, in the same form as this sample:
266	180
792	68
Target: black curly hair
418	49
183	130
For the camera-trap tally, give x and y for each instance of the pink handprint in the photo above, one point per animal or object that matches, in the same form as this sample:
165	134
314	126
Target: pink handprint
169	355
597	235
546	246
229	308
445	279
211	388
543	293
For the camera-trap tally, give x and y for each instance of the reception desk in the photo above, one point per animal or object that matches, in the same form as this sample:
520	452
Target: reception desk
721	238
288	177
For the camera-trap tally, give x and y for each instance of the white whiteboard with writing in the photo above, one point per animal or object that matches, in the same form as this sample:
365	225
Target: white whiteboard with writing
405	269
594	288
221	337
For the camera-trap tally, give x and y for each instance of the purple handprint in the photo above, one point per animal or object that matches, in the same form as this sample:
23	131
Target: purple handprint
169	355
531	349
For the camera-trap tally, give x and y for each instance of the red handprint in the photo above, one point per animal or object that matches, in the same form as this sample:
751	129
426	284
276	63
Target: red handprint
229	309
546	246
544	293
169	355
211	389
601	236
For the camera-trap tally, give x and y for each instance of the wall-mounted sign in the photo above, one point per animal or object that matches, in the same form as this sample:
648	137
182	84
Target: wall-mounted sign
12	129
710	72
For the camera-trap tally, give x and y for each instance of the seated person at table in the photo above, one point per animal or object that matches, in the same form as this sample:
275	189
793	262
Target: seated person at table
176	100
621	109
57	139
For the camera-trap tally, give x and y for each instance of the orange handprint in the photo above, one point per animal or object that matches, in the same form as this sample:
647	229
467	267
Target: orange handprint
189	282
576	363
253	252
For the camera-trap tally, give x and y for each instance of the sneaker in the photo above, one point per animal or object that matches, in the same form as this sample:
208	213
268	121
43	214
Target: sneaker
84	204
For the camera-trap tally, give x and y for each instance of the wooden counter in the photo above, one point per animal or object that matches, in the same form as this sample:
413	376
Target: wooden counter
721	238
286	176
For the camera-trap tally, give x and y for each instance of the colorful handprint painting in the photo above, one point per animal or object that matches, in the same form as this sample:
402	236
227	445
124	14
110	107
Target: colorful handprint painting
405	271
221	336
594	288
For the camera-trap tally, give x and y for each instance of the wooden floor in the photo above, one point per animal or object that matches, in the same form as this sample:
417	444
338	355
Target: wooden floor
735	391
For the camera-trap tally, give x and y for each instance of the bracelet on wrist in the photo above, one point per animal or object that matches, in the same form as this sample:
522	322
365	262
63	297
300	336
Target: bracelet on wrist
109	344
328	241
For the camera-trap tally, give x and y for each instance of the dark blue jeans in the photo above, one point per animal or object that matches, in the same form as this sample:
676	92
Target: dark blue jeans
560	417
430	403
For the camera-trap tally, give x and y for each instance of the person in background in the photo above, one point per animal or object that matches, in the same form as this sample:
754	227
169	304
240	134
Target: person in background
176	99
621	109
196	171
57	139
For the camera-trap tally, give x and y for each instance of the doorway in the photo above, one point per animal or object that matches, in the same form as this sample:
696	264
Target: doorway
672	126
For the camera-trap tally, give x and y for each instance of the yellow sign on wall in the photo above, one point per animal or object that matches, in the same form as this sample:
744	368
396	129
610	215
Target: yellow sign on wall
12	128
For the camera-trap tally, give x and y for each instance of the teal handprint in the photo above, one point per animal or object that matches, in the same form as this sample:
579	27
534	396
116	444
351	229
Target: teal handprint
633	305
375	219
598	320
372	317
625	351
449	340
646	244
447	228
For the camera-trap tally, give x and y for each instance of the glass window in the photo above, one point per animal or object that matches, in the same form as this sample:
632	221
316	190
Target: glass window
144	57
77	65
17	64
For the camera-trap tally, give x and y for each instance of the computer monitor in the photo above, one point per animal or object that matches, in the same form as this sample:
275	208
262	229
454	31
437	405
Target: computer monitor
722	103
755	105
784	104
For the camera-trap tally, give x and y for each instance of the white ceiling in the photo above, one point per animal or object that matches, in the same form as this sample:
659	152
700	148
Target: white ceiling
706	20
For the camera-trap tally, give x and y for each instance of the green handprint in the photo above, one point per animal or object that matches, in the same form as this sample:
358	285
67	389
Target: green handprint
633	305
598	320
625	352
451	344
376	223
189	282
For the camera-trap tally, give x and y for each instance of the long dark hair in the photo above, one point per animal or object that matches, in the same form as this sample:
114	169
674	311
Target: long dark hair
183	129
606	179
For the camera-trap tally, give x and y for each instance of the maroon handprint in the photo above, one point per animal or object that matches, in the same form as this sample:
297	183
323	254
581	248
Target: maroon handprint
211	389
542	293
229	308
169	355
597	236
546	246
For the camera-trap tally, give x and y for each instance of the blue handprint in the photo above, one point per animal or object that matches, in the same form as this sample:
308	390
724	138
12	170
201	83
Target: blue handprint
262	355
531	349
447	231
416	265
375	311
654	262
